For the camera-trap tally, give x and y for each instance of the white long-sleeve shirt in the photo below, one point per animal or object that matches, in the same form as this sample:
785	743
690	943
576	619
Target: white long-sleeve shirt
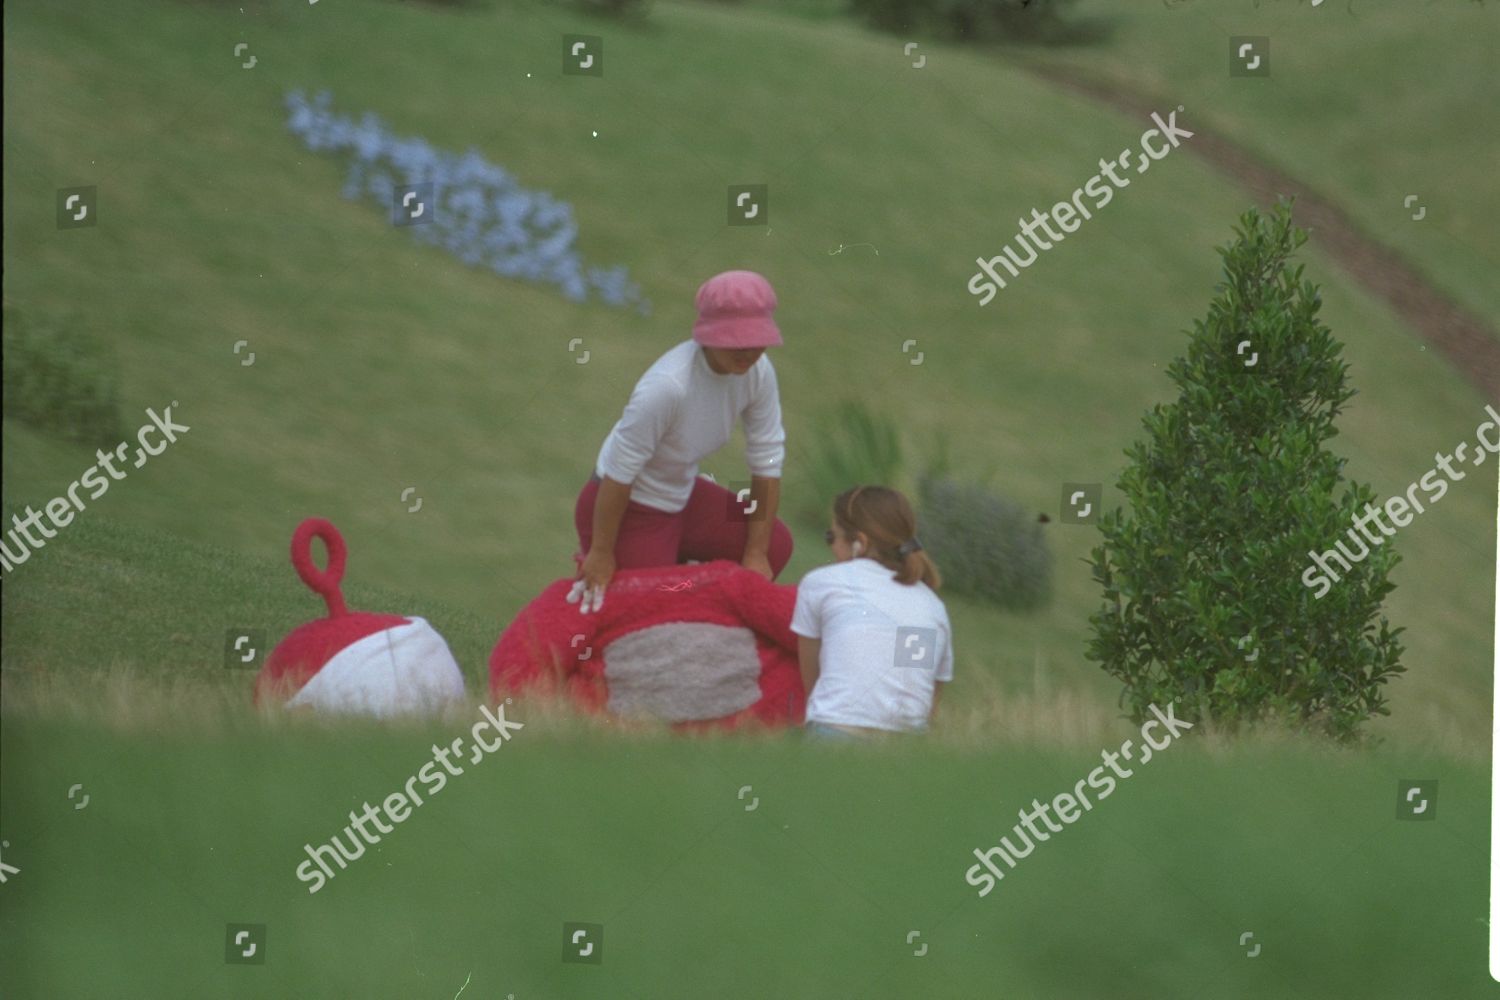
681	412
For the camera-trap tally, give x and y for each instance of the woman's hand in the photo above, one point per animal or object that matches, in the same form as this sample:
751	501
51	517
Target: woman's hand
594	575
758	562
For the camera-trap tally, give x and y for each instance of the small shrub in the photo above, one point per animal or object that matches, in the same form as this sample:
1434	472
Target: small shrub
851	447
613	8
986	546
59	380
1044	22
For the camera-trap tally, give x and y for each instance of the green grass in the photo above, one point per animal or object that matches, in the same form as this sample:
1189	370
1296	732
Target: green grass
1367	102
381	365
104	596
199	806
811	894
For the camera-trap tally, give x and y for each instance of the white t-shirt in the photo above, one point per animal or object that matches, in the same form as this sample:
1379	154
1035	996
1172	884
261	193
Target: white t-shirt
681	412
885	645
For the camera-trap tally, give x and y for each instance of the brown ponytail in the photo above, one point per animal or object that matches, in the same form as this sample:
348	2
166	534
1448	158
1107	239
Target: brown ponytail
885	516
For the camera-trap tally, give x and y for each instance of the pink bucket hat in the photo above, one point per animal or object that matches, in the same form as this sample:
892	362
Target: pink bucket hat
734	311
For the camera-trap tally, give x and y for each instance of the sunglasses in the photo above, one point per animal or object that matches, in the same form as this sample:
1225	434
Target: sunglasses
828	536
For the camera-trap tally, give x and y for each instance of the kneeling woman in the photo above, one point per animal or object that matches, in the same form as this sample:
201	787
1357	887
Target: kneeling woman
873	636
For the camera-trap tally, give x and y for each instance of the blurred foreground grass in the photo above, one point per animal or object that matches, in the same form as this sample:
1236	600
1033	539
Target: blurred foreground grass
810	893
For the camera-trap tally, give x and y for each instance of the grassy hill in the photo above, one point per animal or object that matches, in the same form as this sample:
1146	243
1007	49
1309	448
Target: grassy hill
382	365
1367	102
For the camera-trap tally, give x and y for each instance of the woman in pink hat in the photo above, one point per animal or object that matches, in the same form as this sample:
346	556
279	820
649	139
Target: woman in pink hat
646	504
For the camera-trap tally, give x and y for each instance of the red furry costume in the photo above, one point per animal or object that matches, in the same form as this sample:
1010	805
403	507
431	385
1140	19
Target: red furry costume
695	645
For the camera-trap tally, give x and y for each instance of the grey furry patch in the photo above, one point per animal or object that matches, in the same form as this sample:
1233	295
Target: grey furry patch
683	671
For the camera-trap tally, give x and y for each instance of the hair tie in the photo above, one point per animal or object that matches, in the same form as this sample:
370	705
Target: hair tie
907	548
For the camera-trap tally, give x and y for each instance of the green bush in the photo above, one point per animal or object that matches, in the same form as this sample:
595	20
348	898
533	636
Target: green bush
59	380
985	546
469	4
853	446
614	8
1045	22
1230	495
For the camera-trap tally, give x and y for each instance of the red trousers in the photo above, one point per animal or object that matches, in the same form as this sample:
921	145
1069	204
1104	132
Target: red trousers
712	526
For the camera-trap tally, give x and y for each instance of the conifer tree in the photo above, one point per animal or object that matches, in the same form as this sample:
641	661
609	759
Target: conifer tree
1231	495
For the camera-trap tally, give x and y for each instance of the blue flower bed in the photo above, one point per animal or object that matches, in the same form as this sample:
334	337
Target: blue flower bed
481	214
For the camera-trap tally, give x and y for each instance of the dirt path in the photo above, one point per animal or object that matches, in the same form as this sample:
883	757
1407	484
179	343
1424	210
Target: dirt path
1465	339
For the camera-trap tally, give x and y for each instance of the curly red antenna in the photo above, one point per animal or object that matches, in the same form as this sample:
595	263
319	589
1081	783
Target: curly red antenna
323	581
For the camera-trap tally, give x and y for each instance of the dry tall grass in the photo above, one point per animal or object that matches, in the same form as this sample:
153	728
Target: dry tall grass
130	702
